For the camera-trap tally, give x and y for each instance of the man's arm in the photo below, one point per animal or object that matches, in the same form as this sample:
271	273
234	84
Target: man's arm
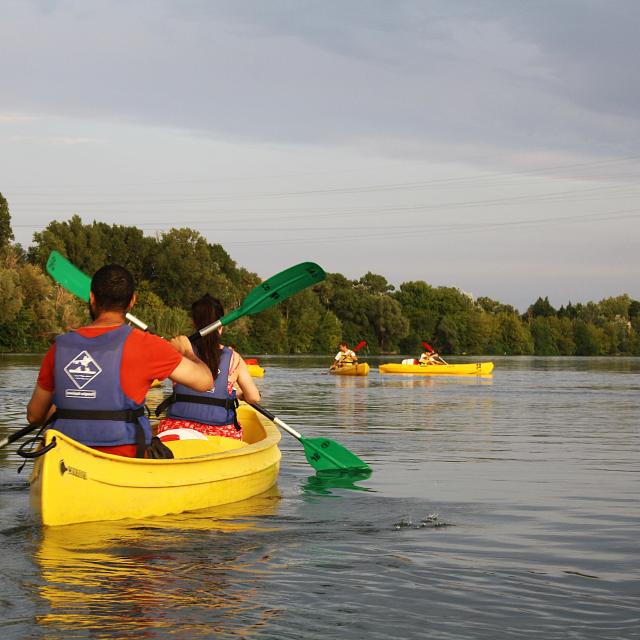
191	371
40	406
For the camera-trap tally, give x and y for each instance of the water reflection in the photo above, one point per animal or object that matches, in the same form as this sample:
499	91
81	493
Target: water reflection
324	481
126	577
409	381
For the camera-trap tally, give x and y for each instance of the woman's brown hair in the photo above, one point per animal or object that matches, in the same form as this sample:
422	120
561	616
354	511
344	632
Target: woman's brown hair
203	312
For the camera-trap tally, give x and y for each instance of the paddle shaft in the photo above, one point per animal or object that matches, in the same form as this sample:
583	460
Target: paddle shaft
276	420
133	320
18	434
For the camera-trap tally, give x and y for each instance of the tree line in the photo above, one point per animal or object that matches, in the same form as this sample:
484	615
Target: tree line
177	267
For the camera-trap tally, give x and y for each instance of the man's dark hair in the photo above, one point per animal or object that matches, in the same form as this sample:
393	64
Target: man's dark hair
112	287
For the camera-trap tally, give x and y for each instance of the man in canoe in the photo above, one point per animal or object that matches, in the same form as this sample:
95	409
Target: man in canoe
344	357
212	413
93	381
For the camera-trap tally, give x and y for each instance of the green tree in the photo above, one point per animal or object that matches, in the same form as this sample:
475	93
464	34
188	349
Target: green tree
493	306
588	338
509	336
329	333
563	332
348	302
386	321
267	332
184	270
80	243
416	299
11	294
301	314
375	284
544	339
615	308
541	308
449	334
6	233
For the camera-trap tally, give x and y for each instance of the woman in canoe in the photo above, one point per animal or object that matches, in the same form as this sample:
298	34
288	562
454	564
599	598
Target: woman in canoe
213	412
344	357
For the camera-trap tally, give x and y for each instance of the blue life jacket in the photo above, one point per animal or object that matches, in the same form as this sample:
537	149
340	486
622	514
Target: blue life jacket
91	406
215	407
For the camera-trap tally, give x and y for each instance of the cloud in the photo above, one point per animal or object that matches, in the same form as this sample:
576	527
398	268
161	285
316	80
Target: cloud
65	140
14	118
442	77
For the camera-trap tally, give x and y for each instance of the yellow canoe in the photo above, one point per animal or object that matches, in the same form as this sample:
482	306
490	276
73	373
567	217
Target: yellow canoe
360	369
74	483
471	369
255	371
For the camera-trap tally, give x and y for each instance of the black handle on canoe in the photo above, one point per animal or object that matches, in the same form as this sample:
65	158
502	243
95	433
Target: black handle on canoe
18	434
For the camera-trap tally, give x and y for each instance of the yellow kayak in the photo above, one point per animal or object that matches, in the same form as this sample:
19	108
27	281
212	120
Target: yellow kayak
471	369
255	371
74	483
360	369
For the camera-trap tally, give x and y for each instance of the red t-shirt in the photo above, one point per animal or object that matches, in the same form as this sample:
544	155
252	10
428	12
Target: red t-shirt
145	357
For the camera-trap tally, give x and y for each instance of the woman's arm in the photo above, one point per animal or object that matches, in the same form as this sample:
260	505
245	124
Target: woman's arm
248	390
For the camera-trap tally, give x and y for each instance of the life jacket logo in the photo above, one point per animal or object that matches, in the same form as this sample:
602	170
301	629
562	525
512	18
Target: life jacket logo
82	369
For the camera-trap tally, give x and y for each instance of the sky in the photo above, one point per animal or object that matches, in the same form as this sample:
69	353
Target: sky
488	145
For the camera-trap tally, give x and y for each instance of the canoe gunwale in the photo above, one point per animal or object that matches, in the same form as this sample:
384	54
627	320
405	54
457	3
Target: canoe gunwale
255	447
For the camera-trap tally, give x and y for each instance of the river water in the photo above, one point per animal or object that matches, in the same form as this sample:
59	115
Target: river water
502	507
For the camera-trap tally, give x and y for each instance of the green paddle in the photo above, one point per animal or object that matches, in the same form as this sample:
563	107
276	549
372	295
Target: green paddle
76	281
322	454
276	289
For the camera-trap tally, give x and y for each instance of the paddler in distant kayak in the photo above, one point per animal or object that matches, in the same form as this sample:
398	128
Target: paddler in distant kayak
429	356
344	357
93	381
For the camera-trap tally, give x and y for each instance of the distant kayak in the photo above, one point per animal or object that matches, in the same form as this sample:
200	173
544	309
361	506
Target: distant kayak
360	369
255	370
471	369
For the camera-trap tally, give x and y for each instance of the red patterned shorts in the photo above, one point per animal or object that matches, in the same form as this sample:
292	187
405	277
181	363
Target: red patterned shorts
227	430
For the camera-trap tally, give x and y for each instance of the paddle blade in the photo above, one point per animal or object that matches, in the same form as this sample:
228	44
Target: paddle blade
427	346
277	288
360	345
69	276
324	454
